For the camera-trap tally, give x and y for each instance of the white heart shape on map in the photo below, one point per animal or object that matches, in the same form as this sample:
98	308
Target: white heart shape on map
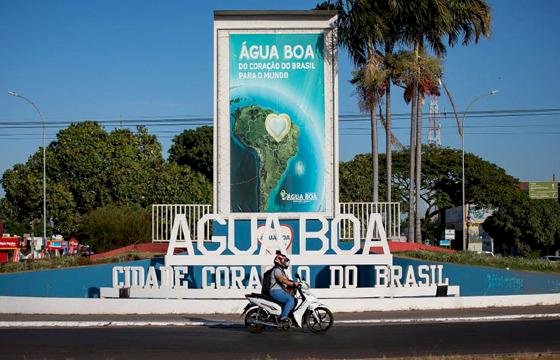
278	125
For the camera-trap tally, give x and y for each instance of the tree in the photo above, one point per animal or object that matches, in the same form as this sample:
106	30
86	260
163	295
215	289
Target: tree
89	168
418	74
361	25
80	153
108	228
194	148
373	27
355	179
370	82
23	202
489	186
178	184
430	22
526	226
8	216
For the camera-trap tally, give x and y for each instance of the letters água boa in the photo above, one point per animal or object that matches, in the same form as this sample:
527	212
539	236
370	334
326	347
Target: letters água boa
271	52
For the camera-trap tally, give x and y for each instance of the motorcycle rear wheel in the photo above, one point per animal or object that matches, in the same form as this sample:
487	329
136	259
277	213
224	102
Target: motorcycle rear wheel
250	318
323	322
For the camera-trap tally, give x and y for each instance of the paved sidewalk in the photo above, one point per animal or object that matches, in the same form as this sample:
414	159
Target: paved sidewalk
489	314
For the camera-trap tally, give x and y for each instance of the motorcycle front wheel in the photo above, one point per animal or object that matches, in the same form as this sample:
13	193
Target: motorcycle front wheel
319	320
250	318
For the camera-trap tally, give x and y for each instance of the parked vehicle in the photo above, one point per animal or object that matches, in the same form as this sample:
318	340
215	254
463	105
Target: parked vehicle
264	311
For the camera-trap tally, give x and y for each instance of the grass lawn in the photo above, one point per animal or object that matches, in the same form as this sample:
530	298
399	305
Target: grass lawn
471	258
60	262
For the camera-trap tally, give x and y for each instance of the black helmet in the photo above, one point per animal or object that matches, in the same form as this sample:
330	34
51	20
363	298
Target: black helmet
281	260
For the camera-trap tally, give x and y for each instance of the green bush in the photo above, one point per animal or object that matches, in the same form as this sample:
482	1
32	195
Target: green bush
112	227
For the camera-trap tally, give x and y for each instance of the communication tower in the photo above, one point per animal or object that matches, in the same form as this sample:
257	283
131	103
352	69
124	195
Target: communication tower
434	132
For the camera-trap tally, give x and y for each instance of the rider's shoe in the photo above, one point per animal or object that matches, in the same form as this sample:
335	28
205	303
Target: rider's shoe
285	324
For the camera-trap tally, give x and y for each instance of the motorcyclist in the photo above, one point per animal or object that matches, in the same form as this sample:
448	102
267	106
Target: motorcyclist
281	286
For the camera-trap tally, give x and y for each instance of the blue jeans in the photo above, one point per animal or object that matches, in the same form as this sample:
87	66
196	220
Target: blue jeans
287	300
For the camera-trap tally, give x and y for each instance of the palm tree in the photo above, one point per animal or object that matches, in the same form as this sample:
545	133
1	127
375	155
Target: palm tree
365	25
391	36
419	75
360	31
371	81
431	21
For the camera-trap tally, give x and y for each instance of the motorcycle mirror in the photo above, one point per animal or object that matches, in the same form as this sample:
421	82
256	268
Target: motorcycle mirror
297	277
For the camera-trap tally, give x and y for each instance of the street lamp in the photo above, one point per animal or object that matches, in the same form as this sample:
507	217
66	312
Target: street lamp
13	93
462	133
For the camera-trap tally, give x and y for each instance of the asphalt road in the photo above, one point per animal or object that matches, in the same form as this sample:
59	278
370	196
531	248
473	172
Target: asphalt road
235	342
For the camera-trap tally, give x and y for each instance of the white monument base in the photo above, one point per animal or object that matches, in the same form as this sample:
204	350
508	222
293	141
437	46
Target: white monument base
239	294
35	305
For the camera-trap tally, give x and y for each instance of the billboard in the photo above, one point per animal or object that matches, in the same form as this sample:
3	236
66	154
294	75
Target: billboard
277	123
275	120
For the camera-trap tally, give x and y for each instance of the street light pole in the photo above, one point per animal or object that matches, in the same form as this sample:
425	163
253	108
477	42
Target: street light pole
13	93
462	132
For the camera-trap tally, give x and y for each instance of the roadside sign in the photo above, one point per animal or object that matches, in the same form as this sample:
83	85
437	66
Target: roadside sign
444	242
543	190
449	234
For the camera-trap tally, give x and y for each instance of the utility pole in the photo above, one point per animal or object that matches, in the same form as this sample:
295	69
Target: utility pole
13	93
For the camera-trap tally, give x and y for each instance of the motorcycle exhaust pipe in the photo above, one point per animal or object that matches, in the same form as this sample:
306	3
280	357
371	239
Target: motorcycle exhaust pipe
258	322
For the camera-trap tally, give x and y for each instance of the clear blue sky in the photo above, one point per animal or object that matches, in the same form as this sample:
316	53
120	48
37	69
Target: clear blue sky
134	60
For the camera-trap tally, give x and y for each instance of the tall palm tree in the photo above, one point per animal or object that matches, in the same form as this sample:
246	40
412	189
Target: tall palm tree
418	74
371	81
391	36
365	25
431	22
388	127
360	31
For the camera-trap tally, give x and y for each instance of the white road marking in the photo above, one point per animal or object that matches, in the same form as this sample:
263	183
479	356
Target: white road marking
452	319
84	324
5	324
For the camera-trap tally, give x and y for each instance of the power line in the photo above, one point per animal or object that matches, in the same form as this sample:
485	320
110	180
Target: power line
152	119
486	126
478	133
349	128
155	123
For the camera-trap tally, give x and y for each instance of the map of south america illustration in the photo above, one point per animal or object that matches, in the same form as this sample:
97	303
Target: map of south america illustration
274	138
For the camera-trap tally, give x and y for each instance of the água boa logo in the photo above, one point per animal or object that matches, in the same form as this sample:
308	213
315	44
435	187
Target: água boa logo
298	197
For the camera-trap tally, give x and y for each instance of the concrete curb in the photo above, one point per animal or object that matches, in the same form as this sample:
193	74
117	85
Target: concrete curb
88	306
227	323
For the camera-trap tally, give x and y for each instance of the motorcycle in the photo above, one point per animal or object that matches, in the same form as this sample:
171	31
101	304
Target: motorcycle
264	311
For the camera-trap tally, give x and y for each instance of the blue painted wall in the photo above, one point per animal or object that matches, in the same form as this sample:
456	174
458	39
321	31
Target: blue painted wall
83	282
480	281
79	282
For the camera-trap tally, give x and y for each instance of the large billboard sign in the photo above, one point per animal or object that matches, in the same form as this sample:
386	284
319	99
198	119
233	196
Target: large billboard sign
277	123
275	119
